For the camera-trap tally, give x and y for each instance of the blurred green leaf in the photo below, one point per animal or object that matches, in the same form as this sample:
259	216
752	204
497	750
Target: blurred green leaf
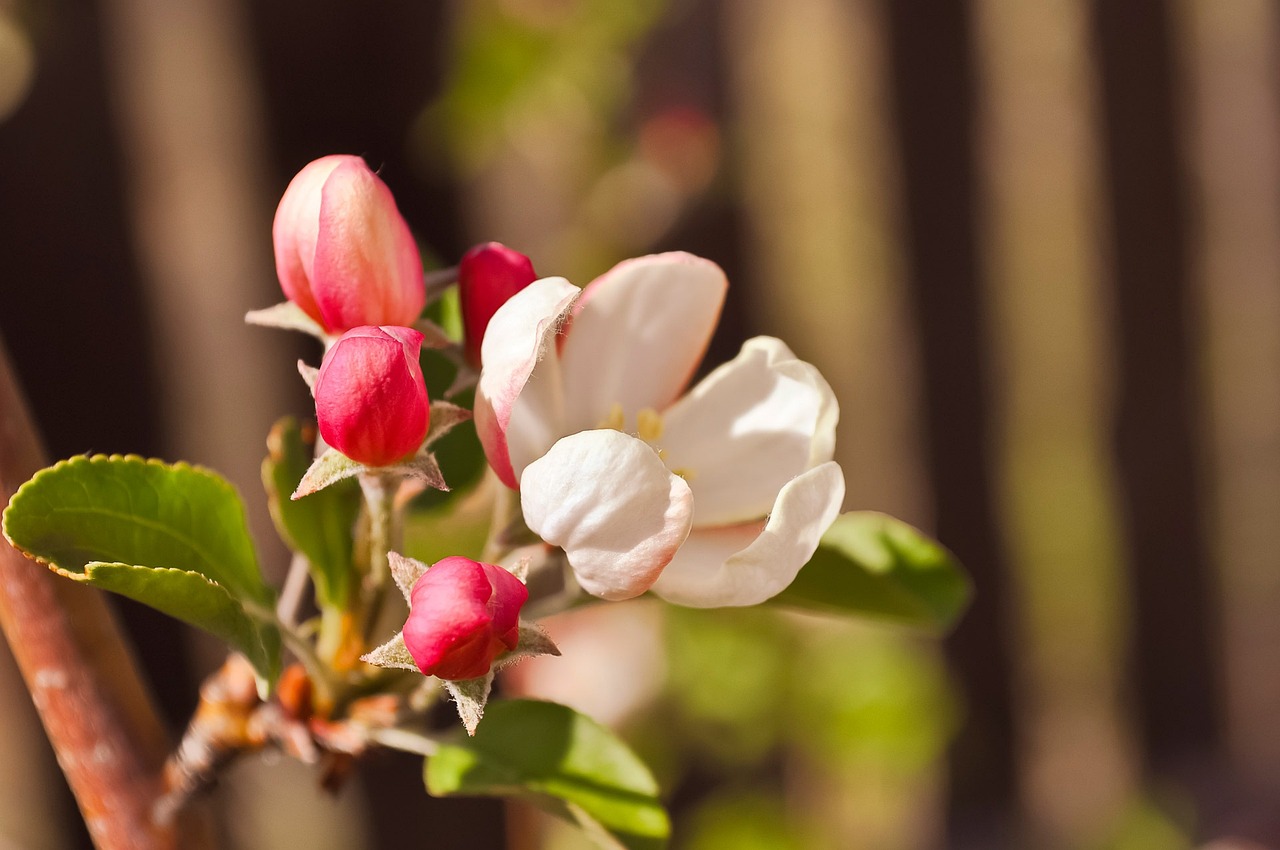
321	526
870	699
874	565
745	821
173	537
563	761
724	673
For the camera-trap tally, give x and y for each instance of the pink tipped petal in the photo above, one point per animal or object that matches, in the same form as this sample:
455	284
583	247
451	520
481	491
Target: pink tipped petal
637	336
367	268
294	232
609	502
736	566
519	335
746	430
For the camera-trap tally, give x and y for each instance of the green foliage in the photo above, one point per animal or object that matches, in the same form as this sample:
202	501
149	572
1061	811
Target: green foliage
744	822
544	61
869	699
321	526
561	760
172	537
726	673
874	565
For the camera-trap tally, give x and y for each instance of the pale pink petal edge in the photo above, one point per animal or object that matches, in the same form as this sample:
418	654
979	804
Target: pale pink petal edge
518	336
804	510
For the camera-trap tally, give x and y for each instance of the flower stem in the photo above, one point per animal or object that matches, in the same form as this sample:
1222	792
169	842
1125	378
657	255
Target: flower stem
384	531
507	530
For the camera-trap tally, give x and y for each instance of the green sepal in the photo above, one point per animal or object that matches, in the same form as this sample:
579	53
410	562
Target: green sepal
561	760
393	654
287	316
470	696
871	564
321	526
170	536
533	641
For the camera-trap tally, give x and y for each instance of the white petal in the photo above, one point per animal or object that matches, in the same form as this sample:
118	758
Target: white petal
723	567
608	501
519	335
638	334
747	429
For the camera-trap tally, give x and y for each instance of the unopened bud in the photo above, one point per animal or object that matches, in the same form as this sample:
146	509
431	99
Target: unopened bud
462	615
488	275
371	399
343	252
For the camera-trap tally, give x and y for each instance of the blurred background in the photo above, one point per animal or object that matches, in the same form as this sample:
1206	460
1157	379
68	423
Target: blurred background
1035	246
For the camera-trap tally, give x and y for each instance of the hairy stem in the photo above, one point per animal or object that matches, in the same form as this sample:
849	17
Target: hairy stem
384	531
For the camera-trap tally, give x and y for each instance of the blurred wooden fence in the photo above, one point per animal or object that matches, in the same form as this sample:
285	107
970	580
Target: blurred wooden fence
1036	247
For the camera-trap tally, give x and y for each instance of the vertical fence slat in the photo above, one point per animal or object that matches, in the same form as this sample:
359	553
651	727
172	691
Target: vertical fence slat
819	194
1174	670
934	99
1235	111
1056	474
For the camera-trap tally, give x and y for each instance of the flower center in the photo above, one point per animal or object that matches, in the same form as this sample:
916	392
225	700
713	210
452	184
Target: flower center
649	428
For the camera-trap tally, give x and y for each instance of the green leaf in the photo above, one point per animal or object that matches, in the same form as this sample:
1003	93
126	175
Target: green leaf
173	537
562	760
194	599
320	526
874	565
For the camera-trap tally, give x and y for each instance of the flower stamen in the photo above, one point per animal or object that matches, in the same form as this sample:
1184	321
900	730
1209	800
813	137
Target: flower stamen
616	420
649	425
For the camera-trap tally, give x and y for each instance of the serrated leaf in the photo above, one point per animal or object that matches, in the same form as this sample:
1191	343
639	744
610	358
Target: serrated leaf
561	759
150	530
874	565
320	526
195	599
470	697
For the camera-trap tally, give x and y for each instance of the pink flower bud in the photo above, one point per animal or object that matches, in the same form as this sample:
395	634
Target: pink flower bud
343	252
488	275
371	400
463	615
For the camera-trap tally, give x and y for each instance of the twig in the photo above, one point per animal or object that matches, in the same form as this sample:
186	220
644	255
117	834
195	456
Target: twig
99	718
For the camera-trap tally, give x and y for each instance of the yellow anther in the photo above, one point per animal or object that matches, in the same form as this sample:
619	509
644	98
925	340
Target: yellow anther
617	420
686	474
649	425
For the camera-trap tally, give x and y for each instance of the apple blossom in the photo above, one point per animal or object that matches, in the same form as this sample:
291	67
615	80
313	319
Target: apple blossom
488	276
462	615
344	254
715	497
371	399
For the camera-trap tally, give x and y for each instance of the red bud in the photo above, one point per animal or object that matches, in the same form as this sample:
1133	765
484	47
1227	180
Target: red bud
371	399
488	275
462	615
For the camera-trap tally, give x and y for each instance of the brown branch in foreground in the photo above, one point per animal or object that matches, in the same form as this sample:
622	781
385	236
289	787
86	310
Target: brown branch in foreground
99	718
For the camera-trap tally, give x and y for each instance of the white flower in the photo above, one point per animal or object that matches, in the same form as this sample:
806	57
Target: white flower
711	498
